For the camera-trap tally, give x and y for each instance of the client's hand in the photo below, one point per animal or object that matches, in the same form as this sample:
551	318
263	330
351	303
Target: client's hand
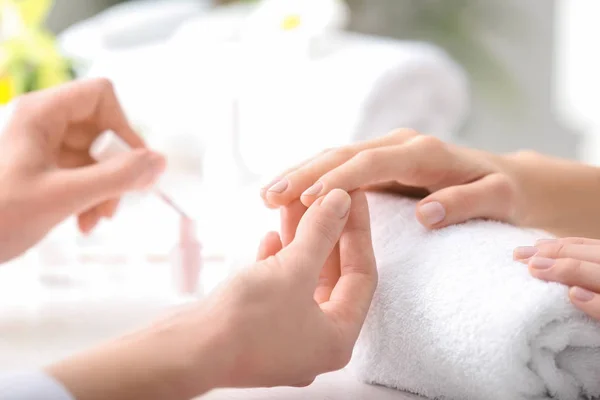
277	323
46	172
459	183
574	262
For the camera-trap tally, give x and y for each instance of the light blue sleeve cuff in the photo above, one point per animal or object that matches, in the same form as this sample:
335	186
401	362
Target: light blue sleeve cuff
31	386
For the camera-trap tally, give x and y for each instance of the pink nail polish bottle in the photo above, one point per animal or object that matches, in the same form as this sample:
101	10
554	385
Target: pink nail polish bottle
188	259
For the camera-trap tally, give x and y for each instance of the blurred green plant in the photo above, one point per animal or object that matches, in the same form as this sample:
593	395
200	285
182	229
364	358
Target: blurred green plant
29	57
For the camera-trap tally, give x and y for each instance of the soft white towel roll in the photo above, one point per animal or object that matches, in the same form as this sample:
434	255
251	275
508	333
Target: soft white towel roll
454	317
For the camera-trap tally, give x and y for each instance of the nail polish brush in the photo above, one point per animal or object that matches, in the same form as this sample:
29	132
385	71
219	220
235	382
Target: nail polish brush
187	257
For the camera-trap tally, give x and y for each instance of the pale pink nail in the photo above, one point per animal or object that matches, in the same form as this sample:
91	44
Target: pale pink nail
542	263
433	213
314	190
523	252
280	186
582	294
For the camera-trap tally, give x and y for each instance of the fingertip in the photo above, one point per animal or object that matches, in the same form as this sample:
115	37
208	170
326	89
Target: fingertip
269	246
309	200
338	201
581	296
431	214
275	200
88	221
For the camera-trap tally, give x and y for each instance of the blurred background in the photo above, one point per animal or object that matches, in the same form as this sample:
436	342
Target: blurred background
525	61
234	91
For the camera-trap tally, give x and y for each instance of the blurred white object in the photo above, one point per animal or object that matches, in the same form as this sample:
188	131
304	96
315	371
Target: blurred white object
205	91
296	27
133	23
365	88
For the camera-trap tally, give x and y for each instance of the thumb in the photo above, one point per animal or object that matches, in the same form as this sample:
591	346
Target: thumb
317	235
491	197
85	187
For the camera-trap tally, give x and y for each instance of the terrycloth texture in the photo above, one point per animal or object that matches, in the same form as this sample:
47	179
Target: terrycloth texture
454	317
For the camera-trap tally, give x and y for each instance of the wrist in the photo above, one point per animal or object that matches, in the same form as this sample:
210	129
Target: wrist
529	185
162	362
556	195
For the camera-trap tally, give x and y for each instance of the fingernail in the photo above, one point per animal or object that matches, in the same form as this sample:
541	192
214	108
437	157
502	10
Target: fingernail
523	252
541	262
433	213
279	186
582	294
314	190
338	201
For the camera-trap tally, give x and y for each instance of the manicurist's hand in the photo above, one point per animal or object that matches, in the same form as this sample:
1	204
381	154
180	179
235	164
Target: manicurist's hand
296	313
574	262
456	183
46	172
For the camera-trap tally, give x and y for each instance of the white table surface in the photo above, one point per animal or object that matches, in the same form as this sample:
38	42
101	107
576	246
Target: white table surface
41	321
339	385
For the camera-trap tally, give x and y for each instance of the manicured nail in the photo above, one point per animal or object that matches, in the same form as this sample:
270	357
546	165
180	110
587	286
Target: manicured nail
338	201
542	262
582	294
433	213
279	186
314	190
524	252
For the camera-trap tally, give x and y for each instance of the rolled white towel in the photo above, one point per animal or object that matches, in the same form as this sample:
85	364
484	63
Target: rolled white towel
454	317
410	84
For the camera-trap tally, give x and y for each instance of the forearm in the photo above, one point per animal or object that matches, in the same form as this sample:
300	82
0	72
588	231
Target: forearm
151	365
557	195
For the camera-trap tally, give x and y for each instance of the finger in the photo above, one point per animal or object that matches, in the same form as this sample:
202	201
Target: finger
351	297
568	271
586	301
290	218
558	250
70	158
109	208
423	162
88	220
265	188
329	276
294	183
91	102
80	189
316	237
491	197
269	246
571	240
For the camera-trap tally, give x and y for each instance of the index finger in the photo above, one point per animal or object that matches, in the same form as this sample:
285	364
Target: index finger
294	182
351	297
92	103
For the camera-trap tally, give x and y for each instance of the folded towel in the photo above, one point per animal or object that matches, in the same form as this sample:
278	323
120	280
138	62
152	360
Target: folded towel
454	317
411	84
